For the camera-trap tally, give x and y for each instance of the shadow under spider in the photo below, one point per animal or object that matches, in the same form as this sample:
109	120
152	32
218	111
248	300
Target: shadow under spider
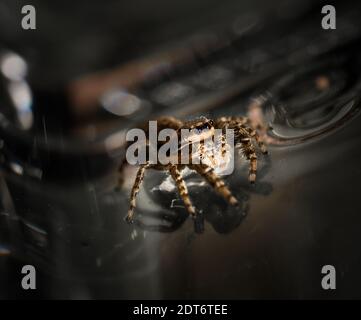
222	216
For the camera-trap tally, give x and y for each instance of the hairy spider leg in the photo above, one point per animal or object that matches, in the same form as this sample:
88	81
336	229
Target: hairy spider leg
138	181
205	153
241	122
215	181
249	152
232	120
223	145
254	135
182	188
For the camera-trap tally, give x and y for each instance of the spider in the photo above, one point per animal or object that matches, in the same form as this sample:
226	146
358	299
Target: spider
245	134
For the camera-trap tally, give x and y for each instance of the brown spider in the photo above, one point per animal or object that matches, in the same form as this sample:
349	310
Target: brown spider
244	133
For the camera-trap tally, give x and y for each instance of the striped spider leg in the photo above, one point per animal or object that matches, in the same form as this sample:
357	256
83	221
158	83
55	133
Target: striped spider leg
244	133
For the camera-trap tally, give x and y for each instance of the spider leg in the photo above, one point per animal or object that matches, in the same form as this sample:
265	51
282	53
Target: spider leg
209	154
202	150
228	121
215	181
249	152
168	122
254	134
253	167
223	145
245	123
135	189
182	188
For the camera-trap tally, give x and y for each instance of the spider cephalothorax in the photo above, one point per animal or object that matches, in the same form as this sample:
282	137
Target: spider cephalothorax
201	128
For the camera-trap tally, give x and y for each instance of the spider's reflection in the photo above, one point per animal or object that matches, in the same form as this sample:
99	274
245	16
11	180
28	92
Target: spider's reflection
212	208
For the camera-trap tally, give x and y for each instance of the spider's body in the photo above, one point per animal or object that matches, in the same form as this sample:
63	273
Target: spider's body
202	128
